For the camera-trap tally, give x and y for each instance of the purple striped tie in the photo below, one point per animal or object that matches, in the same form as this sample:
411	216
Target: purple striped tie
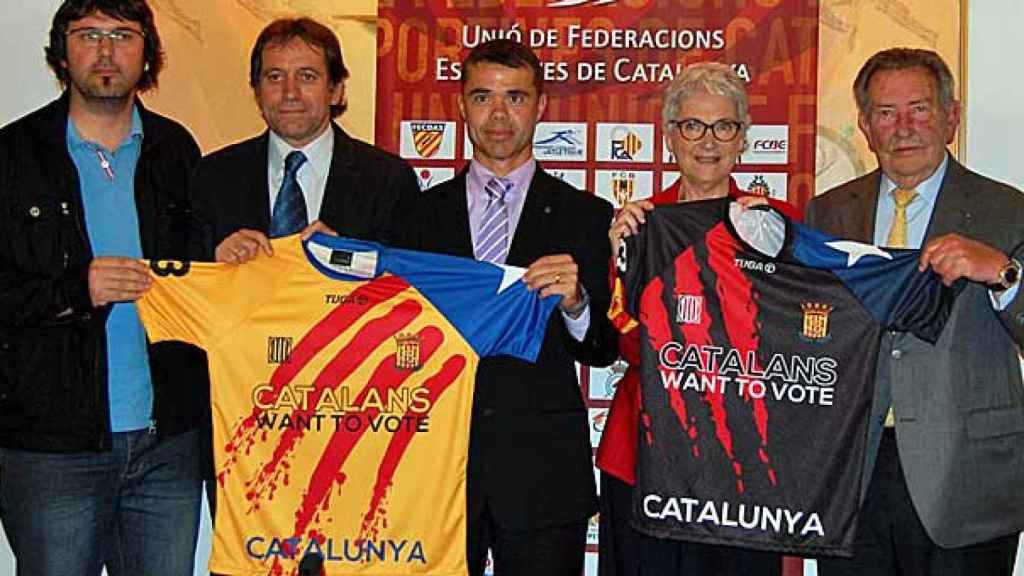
492	237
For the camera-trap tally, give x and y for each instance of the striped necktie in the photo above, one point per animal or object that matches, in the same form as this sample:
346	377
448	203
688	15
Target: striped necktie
492	236
898	231
289	214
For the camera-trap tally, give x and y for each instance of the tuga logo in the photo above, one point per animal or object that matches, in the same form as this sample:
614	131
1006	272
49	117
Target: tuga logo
770	145
427	137
574	3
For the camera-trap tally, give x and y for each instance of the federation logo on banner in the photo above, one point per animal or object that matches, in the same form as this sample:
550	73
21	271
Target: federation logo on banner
557	141
604	381
625	142
575	178
768	145
427	177
767	184
428	140
621	186
597	417
816	320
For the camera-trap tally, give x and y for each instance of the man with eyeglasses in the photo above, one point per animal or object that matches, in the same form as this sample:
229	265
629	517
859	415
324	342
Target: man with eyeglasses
98	441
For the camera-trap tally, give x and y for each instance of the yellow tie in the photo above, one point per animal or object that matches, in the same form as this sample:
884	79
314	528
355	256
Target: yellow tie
898	231
898	239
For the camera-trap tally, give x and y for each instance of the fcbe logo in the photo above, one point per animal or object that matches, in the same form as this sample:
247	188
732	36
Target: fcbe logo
427	137
625	144
770	145
816	320
169	267
407	352
279	349
574	3
689	309
623	187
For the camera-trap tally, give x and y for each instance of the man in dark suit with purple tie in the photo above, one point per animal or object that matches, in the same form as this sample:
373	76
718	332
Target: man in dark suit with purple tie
530	479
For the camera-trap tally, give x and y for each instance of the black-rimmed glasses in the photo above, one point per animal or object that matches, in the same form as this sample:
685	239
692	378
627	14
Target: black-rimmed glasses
693	129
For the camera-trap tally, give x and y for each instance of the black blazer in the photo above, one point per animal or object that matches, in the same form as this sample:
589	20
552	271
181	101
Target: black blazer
365	184
530	454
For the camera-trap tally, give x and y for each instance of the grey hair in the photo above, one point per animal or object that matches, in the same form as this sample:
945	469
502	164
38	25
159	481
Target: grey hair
705	78
902	59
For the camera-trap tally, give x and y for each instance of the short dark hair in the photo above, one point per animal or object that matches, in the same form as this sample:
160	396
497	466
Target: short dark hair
902	59
129	10
507	53
313	33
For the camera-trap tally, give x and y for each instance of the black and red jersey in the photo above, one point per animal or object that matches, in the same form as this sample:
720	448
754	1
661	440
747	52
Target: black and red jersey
759	341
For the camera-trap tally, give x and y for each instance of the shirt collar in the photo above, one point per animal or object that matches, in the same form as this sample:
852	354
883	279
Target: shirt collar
521	177
317	152
76	140
927	190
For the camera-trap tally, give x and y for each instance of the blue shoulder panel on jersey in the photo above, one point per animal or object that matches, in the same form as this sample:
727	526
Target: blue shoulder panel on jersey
885	280
487	304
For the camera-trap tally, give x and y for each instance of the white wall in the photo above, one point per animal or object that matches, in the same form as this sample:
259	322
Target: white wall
994	114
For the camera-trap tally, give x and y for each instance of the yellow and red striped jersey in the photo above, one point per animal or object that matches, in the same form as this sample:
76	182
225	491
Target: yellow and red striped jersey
342	381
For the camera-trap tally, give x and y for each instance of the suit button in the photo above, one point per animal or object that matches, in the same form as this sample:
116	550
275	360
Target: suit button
86	317
488	412
896	354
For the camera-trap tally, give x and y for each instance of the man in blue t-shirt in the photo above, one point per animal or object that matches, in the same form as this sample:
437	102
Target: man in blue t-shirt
98	441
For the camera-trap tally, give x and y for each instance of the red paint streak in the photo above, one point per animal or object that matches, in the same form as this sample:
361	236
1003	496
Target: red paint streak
654	317
739	311
324	332
329	469
436	385
367	339
688	282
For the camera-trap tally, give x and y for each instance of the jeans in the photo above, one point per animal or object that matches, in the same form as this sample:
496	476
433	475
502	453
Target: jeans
134	509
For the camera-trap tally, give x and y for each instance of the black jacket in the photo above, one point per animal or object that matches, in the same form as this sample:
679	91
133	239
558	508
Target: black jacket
364	187
529	452
53	345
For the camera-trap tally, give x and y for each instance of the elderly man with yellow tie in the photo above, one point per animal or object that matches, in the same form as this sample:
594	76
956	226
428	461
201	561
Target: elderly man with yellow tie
942	484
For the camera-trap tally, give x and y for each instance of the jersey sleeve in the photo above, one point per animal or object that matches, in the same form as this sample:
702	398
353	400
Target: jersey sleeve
631	273
886	281
194	302
488	304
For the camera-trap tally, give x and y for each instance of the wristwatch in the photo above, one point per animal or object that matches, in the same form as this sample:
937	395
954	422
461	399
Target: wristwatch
1009	275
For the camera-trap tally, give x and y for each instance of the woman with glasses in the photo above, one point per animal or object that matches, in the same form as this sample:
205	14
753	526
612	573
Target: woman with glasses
705	116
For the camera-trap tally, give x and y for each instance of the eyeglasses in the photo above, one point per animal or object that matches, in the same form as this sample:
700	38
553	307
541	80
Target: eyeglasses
93	36
693	129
